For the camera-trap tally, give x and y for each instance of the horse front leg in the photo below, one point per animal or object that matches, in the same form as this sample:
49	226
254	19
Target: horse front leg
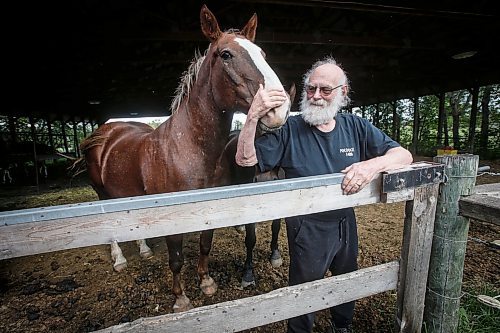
250	240
207	284
175	262
120	263
275	258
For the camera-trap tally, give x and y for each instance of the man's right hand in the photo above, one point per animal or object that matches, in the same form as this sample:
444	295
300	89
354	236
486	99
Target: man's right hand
264	101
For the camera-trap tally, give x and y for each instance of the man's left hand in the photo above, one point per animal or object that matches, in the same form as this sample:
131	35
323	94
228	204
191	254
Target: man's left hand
357	176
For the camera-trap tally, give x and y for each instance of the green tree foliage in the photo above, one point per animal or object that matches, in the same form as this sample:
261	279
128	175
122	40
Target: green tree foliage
457	106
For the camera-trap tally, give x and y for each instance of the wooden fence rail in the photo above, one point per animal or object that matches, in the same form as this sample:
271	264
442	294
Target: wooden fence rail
33	231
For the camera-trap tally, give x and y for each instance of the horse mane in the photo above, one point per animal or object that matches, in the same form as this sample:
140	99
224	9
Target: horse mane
188	78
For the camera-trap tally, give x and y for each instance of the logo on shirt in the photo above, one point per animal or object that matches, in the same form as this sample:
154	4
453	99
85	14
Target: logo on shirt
347	151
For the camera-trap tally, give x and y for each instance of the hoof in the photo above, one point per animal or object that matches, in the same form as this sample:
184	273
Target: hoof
248	278
208	286
275	259
245	284
182	303
146	254
240	229
120	266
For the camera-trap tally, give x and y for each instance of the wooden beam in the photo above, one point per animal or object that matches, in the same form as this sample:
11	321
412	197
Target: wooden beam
277	305
484	205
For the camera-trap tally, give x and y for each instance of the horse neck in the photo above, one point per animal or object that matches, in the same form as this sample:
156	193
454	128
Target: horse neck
207	124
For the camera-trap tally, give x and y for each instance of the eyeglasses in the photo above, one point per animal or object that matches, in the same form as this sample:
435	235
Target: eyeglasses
324	91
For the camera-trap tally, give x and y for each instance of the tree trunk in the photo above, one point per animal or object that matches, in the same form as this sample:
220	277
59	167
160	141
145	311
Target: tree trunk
376	116
363	112
441	121
75	139
485	119
12	129
395	122
35	158
455	113
416	125
473	119
65	139
51	135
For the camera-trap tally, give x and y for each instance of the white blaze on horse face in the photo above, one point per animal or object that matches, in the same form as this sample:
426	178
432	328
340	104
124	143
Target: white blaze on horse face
271	81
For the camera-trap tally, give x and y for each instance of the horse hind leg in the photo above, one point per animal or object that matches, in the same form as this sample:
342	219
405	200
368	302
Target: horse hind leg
144	250
207	284
120	263
275	258
248	278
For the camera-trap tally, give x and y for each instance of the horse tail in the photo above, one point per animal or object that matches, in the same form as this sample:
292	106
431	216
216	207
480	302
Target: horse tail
92	141
79	165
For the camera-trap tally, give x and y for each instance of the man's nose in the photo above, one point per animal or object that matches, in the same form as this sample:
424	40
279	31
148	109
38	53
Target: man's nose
317	94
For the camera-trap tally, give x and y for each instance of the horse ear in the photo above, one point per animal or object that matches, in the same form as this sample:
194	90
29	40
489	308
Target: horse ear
292	92
209	24
249	29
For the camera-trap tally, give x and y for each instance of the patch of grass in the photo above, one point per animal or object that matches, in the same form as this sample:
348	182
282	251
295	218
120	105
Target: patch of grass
56	197
476	317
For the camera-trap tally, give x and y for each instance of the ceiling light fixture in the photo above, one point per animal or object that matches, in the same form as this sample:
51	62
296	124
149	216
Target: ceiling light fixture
464	55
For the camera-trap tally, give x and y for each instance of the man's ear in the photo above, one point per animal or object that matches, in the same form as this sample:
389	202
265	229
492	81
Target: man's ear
345	90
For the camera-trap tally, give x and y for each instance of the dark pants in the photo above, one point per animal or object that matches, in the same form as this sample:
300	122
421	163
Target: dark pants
316	246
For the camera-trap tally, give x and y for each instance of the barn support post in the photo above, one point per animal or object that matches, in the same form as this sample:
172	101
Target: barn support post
443	294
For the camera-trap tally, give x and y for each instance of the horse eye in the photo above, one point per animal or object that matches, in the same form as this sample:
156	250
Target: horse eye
226	55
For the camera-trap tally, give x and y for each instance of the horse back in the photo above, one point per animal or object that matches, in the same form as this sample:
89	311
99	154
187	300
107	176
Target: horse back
114	154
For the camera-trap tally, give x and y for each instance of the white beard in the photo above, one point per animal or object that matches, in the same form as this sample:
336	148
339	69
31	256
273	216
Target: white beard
319	112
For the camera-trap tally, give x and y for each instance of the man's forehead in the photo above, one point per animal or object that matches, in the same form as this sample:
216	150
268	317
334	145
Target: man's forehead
326	73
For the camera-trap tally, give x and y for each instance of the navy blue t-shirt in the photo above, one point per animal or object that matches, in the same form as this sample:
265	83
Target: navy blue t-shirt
303	150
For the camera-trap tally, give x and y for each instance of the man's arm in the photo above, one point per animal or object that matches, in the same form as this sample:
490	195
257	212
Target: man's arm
263	101
360	174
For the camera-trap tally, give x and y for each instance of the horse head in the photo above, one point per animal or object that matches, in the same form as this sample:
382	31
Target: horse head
234	58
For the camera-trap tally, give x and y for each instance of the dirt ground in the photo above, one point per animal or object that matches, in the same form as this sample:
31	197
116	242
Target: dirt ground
78	291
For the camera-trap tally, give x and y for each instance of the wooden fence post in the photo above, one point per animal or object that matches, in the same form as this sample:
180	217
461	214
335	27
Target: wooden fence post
443	294
415	255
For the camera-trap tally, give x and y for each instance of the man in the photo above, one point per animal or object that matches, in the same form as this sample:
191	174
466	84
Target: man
320	141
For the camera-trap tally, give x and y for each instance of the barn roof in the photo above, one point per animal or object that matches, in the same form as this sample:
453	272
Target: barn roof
98	59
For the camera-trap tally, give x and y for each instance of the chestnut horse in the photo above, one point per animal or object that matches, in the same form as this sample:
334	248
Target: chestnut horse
129	159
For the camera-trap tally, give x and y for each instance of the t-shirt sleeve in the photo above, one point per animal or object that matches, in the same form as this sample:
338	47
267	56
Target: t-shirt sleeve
377	142
270	148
